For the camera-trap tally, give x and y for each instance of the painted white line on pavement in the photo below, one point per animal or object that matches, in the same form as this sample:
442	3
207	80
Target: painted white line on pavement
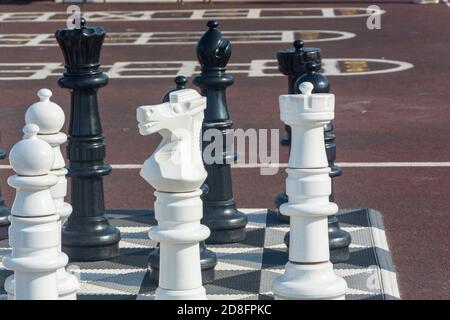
196	14
284	165
12	40
170	69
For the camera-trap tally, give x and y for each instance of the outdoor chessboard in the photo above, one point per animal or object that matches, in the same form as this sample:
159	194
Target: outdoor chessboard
245	270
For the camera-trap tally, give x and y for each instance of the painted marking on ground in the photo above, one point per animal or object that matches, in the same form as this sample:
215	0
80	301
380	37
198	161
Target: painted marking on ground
175	38
170	69
284	165
200	14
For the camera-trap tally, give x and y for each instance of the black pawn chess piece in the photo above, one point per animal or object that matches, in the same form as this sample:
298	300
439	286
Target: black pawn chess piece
226	223
291	62
339	240
208	259
4	211
87	236
180	82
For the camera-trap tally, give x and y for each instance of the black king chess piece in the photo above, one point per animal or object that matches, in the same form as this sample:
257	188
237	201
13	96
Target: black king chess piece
208	259
291	62
87	236
226	223
4	211
339	240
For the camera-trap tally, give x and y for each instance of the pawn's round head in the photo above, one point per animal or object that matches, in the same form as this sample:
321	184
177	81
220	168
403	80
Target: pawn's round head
31	156
46	114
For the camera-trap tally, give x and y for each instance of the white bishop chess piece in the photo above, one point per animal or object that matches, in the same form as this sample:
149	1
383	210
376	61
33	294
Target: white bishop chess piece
35	231
49	117
176	171
309	274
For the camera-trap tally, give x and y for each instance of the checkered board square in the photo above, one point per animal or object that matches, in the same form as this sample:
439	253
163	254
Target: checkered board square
245	270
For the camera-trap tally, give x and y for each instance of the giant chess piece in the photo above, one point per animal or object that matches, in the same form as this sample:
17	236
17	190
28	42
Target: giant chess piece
176	171
309	274
208	258
35	231
87	236
4	211
291	62
180	82
226	223
49	117
339	239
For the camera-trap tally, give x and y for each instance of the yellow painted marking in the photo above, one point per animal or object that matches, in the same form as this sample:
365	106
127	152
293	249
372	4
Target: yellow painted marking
346	12
309	35
356	66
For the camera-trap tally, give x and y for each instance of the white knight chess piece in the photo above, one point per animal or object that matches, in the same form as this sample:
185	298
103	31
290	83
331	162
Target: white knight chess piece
176	171
176	165
309	274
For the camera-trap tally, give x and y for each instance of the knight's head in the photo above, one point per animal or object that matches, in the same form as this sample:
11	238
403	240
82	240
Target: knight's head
184	107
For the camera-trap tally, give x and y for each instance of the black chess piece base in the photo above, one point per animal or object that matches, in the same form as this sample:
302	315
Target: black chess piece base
4	221
226	223
208	261
339	241
285	141
99	244
279	200
4	211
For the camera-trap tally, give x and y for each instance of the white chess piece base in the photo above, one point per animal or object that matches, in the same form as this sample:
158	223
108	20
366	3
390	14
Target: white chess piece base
179	232
194	294
67	283
34	275
309	282
308	275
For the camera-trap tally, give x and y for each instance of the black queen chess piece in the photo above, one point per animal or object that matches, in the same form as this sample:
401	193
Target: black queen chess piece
87	236
208	258
291	62
339	240
226	223
4	211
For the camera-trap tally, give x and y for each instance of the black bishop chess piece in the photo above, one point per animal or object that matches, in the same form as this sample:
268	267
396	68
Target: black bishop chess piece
291	62
4	211
87	236
220	214
208	258
339	240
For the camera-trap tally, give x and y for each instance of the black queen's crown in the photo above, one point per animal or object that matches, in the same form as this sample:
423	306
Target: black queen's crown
213	52
81	48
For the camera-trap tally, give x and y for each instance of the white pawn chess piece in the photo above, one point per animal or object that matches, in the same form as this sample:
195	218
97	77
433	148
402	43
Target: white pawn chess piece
176	171
35	231
309	274
50	119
